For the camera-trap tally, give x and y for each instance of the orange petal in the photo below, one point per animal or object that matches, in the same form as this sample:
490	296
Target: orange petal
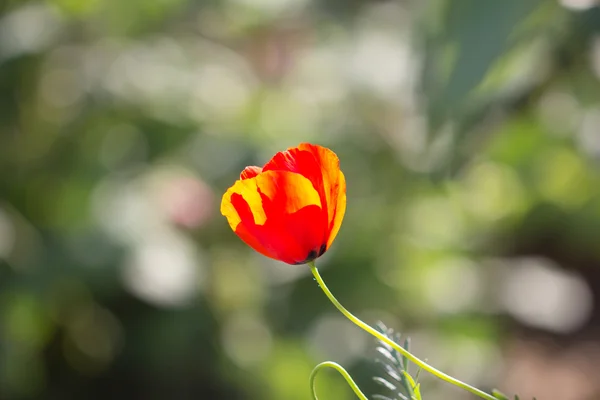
248	190
276	213
340	209
306	164
334	186
286	191
250	172
322	167
292	238
299	161
245	214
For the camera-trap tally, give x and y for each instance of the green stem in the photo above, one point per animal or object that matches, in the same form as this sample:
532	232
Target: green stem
342	371
393	344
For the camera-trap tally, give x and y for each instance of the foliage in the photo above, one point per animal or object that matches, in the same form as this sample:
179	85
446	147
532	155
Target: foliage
396	377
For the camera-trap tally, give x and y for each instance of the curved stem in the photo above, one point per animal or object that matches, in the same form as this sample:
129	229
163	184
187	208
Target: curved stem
342	371
393	344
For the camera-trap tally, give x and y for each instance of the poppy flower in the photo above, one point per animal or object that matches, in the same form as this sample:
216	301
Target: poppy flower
292	208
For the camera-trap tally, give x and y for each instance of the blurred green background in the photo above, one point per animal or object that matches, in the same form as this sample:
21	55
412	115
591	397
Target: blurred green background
469	133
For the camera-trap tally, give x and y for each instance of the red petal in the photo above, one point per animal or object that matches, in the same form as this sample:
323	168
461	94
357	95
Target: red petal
305	164
250	172
292	238
322	167
245	214
334	186
278	214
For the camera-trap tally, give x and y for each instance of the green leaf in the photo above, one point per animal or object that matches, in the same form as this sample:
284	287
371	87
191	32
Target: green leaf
418	391
404	359
464	54
409	385
395	366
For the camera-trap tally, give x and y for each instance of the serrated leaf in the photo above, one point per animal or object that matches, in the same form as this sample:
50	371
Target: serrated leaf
417	391
409	384
388	355
380	397
391	372
402	397
385	383
404	359
394	365
410	379
417	375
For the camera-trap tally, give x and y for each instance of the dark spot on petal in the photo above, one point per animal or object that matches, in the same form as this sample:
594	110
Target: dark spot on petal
322	249
311	256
